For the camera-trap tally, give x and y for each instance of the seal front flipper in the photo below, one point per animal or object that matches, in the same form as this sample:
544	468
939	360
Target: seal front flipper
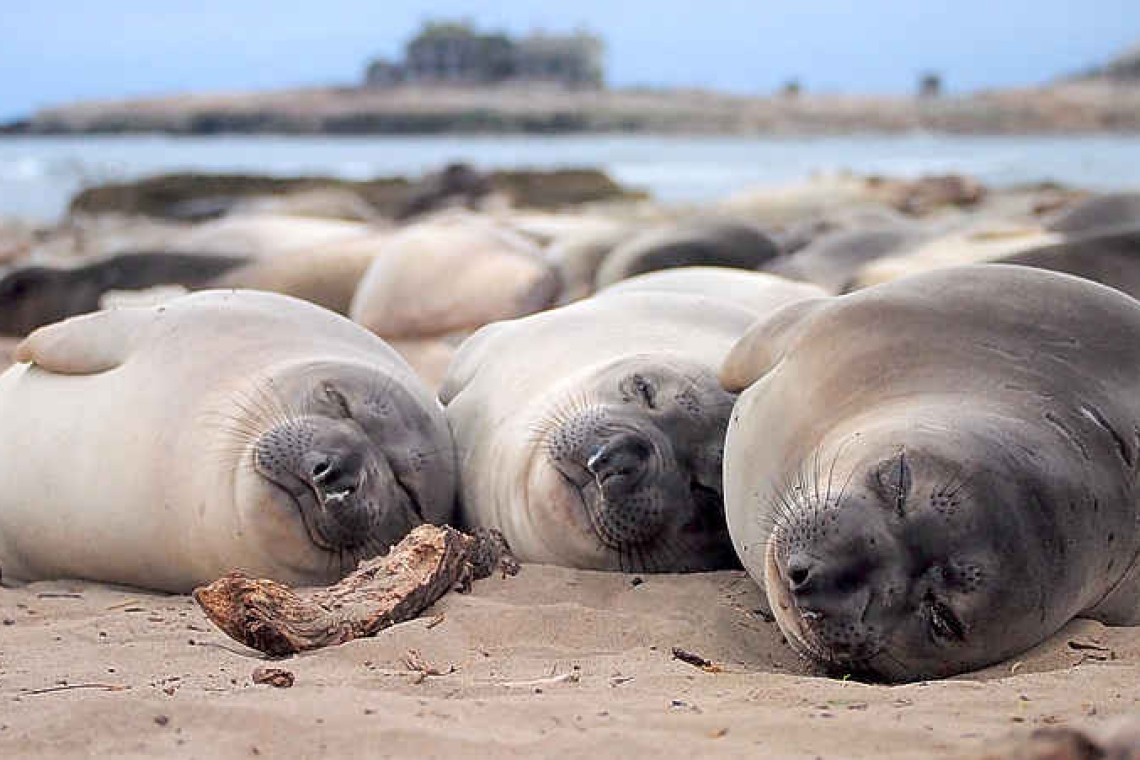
84	345
766	342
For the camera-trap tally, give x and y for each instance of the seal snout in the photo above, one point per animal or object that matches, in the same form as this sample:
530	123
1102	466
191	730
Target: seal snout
620	463
829	589
334	475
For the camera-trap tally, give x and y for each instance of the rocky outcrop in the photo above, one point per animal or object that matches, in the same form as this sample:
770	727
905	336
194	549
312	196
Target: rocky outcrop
202	196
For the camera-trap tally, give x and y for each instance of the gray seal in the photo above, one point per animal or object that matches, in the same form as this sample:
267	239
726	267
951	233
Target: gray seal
1110	257
34	296
833	260
707	242
163	447
938	473
591	435
1098	213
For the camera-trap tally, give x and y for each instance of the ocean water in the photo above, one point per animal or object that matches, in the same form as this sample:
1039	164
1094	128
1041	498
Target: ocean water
38	175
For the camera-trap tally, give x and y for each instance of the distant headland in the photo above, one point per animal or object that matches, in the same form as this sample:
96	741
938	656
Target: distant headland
455	78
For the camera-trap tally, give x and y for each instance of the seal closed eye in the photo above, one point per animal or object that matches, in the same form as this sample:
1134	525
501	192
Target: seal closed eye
225	430
592	435
935	474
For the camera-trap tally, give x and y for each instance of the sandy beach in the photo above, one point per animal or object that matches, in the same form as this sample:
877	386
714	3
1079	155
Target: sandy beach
553	662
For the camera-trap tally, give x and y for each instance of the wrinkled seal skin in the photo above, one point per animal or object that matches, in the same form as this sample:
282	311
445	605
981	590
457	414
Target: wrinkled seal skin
225	430
936	474
592	435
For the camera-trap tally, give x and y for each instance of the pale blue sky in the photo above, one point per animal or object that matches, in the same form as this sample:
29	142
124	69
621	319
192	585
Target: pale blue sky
54	51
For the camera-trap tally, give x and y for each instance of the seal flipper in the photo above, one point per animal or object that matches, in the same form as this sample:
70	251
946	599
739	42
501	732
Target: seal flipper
766	342
83	345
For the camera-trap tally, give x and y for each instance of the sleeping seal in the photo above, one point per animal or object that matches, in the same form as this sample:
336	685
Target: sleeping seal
34	296
936	474
702	242
1101	212
591	435
1110	257
163	447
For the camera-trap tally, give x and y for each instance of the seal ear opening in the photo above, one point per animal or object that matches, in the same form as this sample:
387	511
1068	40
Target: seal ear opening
766	343
84	345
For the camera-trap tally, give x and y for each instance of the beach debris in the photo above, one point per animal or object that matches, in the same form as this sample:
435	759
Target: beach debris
1091	650
75	686
274	619
414	661
434	622
696	660
573	676
276	677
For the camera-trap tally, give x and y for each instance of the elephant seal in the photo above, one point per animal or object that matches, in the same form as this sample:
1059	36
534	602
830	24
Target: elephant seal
327	275
591	434
38	295
832	261
1099	213
225	430
7	351
980	242
936	474
265	235
578	256
1109	257
756	291
709	242
452	274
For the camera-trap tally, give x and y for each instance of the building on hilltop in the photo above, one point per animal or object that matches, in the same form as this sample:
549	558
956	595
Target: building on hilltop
455	53
574	60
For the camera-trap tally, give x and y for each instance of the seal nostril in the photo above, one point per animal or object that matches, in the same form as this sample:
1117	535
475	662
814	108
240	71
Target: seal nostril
320	470
800	573
623	458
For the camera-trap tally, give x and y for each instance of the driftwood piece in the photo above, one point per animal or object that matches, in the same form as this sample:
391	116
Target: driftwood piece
381	592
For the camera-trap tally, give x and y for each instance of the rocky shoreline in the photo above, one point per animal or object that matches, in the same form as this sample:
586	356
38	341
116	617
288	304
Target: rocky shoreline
1089	107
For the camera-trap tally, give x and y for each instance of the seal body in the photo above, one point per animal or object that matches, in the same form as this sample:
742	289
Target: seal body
225	430
34	296
832	260
711	242
591	435
1109	257
452	274
935	474
757	292
1099	213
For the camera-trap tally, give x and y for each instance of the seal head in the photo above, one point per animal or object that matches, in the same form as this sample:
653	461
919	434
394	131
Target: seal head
356	457
635	462
909	560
